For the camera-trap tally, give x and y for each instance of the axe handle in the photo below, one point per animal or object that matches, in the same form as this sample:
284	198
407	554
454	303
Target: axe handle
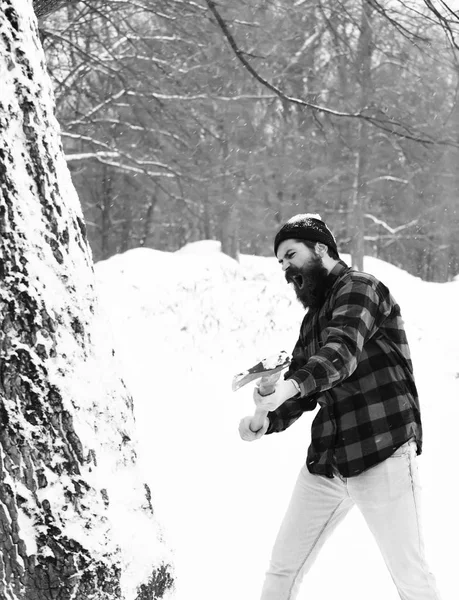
258	419
266	387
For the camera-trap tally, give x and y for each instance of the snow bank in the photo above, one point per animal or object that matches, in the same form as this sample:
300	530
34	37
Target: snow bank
185	323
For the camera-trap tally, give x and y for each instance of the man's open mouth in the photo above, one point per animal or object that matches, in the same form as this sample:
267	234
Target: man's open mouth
298	281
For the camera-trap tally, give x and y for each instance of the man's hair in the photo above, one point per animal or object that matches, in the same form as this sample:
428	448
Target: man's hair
311	245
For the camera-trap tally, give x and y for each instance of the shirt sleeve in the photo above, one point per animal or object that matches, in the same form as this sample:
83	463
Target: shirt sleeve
296	360
357	312
289	412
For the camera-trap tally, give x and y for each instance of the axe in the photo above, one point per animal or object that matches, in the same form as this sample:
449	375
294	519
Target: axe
269	370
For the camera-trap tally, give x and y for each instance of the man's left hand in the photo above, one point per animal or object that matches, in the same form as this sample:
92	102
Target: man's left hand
284	390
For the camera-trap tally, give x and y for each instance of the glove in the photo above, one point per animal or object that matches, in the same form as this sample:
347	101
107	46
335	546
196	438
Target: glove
247	434
285	389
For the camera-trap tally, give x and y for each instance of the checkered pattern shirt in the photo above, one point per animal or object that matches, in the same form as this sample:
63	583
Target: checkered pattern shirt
352	359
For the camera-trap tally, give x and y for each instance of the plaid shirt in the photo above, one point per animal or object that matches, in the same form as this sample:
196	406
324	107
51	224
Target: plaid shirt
352	358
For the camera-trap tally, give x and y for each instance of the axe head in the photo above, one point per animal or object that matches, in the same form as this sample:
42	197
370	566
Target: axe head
265	368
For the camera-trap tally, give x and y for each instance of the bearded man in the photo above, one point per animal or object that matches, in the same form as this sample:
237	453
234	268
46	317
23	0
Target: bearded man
352	360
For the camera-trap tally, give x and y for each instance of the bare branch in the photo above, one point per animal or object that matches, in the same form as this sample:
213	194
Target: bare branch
444	22
409	35
387	124
43	8
391	230
97	108
76	156
388	178
130	169
120	154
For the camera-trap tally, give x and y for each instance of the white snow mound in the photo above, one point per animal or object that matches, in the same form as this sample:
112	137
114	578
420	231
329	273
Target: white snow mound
185	323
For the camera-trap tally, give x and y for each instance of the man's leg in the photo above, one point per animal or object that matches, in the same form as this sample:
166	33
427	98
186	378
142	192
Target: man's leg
317	505
388	496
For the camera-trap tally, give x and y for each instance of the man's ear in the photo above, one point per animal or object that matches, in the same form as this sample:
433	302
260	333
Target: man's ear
321	249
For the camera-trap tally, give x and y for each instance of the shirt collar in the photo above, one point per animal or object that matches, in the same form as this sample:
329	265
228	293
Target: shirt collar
336	272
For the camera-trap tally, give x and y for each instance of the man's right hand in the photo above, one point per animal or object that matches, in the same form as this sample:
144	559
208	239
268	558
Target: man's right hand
247	434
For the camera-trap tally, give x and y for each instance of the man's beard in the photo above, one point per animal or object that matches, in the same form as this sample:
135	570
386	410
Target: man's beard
309	282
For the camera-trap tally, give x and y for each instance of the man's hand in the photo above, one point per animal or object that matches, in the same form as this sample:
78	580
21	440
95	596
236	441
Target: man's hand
284	390
247	434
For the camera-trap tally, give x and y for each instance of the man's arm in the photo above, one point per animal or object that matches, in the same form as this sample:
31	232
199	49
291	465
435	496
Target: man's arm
297	359
289	412
360	307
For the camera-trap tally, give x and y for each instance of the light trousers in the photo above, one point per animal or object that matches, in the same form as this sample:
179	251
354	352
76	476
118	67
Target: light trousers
388	497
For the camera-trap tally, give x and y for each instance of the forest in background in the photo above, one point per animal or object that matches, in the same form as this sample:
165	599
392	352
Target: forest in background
185	120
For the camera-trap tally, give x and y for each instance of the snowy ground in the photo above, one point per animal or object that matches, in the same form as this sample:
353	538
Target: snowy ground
185	323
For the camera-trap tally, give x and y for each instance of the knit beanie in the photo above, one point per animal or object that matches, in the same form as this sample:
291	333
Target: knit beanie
307	227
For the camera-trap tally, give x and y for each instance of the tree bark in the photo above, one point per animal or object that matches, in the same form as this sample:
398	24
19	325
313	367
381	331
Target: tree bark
58	380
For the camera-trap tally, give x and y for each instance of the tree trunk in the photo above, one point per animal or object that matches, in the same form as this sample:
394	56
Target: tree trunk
65	416
148	221
447	217
359	193
229	237
105	213
206	216
126	226
228	212
359	199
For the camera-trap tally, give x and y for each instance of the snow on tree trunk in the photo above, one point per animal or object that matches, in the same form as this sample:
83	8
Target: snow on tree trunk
75	517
